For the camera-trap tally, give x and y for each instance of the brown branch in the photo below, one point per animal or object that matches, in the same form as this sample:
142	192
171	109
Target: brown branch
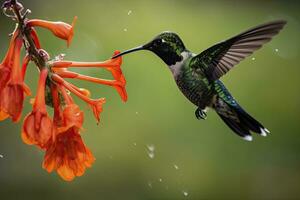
35	54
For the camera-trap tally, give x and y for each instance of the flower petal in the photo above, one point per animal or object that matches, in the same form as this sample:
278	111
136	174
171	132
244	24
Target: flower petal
68	155
3	115
97	108
37	129
59	29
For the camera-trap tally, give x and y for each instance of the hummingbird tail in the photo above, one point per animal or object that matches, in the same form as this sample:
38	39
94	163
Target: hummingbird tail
239	120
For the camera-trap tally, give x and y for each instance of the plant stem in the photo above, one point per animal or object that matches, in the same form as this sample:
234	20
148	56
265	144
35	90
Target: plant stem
26	32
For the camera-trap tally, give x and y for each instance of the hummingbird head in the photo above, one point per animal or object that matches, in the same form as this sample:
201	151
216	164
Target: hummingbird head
167	45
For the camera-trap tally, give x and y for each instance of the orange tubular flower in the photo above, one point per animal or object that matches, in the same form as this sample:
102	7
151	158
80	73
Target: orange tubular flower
72	115
6	65
35	38
5	71
37	127
118	85
25	63
59	29
67	153
13	92
118	75
113	65
95	104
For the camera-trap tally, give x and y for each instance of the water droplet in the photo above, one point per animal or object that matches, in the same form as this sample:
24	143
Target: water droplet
160	180
136	112
125	29
150	184
185	193
129	12
60	57
151	155
276	50
176	167
151	147
150	151
253	58
134	144
1	156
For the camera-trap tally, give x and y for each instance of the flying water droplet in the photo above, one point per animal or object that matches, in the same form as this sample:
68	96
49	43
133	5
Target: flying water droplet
125	30
176	167
134	144
150	151
150	184
1	156
185	193
151	147
253	58
276	50
160	180
151	155
129	12
136	112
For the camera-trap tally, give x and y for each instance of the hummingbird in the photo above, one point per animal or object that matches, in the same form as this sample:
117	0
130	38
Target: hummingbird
198	75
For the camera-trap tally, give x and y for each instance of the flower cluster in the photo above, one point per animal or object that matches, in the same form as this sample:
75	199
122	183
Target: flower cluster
59	136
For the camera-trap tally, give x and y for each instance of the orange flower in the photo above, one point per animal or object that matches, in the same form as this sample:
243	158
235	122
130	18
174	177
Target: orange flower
68	155
66	152
25	63
118	85
13	91
72	116
59	29
35	38
118	75
37	126
112	65
95	104
97	107
6	65
5	71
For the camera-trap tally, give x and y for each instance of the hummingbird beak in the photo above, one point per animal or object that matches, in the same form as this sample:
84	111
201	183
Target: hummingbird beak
139	48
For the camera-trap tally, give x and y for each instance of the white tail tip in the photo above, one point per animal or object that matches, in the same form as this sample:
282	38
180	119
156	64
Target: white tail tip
248	138
264	132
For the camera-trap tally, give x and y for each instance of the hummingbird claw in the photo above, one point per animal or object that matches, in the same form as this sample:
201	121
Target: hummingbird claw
200	114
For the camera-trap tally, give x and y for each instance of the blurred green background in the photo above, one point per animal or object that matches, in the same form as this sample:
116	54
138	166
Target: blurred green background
192	159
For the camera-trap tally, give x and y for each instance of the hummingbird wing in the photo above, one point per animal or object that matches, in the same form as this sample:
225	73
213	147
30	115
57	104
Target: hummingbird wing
220	58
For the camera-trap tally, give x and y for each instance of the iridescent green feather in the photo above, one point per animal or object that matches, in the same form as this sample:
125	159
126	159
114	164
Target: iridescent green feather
224	94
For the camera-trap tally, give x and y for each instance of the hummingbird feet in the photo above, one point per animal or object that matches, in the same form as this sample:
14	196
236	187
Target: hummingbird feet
200	114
